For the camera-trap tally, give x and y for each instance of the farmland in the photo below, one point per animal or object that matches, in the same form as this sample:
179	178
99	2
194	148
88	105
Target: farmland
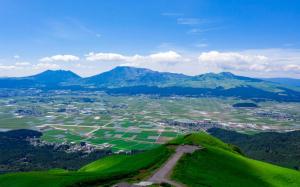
134	122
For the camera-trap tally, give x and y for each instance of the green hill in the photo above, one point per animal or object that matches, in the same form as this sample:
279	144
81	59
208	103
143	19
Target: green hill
217	164
220	164
280	148
103	171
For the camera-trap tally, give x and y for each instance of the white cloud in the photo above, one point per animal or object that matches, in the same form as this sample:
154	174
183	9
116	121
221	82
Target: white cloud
46	66
169	56
259	67
165	56
23	63
62	58
215	56
292	68
254	62
234	61
4	67
190	21
105	57
202	30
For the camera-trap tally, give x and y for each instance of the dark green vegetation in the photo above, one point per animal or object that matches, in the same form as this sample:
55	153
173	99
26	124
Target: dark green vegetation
104	171
277	148
129	80
220	164
285	81
217	164
17	154
245	105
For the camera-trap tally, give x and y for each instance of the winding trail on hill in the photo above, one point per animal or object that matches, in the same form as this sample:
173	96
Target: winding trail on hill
162	175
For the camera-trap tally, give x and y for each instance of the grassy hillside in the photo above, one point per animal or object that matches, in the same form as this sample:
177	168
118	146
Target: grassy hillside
99	172
282	149
220	164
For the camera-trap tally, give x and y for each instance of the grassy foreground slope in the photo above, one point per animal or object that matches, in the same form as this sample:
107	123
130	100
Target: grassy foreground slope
103	171
220	164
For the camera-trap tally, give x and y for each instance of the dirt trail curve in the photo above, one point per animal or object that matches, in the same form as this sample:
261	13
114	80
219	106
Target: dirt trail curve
162	175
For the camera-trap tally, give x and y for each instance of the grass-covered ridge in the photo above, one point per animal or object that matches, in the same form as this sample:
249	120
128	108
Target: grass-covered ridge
220	164
102	171
217	164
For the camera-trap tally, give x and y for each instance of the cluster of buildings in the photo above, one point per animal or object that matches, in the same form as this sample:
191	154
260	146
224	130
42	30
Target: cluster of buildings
194	125
275	115
70	147
204	125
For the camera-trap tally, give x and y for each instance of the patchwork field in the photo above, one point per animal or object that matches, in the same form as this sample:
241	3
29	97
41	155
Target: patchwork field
135	122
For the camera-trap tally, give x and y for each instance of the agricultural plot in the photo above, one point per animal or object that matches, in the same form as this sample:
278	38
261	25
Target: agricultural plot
134	122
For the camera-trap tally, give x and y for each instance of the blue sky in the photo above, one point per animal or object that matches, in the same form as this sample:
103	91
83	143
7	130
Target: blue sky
250	37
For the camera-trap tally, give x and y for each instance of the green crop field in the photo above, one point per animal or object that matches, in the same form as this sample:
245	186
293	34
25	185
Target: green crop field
139	120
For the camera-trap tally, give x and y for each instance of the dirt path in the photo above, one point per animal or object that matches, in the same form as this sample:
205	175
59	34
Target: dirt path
162	175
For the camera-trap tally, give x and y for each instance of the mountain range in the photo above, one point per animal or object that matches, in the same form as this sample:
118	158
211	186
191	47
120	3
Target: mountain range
285	81
131	80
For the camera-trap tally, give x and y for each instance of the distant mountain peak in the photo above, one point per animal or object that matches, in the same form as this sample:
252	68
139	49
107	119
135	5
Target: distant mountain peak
54	76
131	69
133	76
227	74
60	73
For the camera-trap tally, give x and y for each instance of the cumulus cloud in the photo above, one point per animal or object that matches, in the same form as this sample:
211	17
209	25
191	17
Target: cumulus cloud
62	58
229	61
216	56
105	57
5	67
23	63
259	67
292	68
169	56
165	56
46	66
254	62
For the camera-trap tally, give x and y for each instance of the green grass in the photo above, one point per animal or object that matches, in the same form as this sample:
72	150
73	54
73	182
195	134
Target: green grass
122	144
203	139
218	164
102	171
